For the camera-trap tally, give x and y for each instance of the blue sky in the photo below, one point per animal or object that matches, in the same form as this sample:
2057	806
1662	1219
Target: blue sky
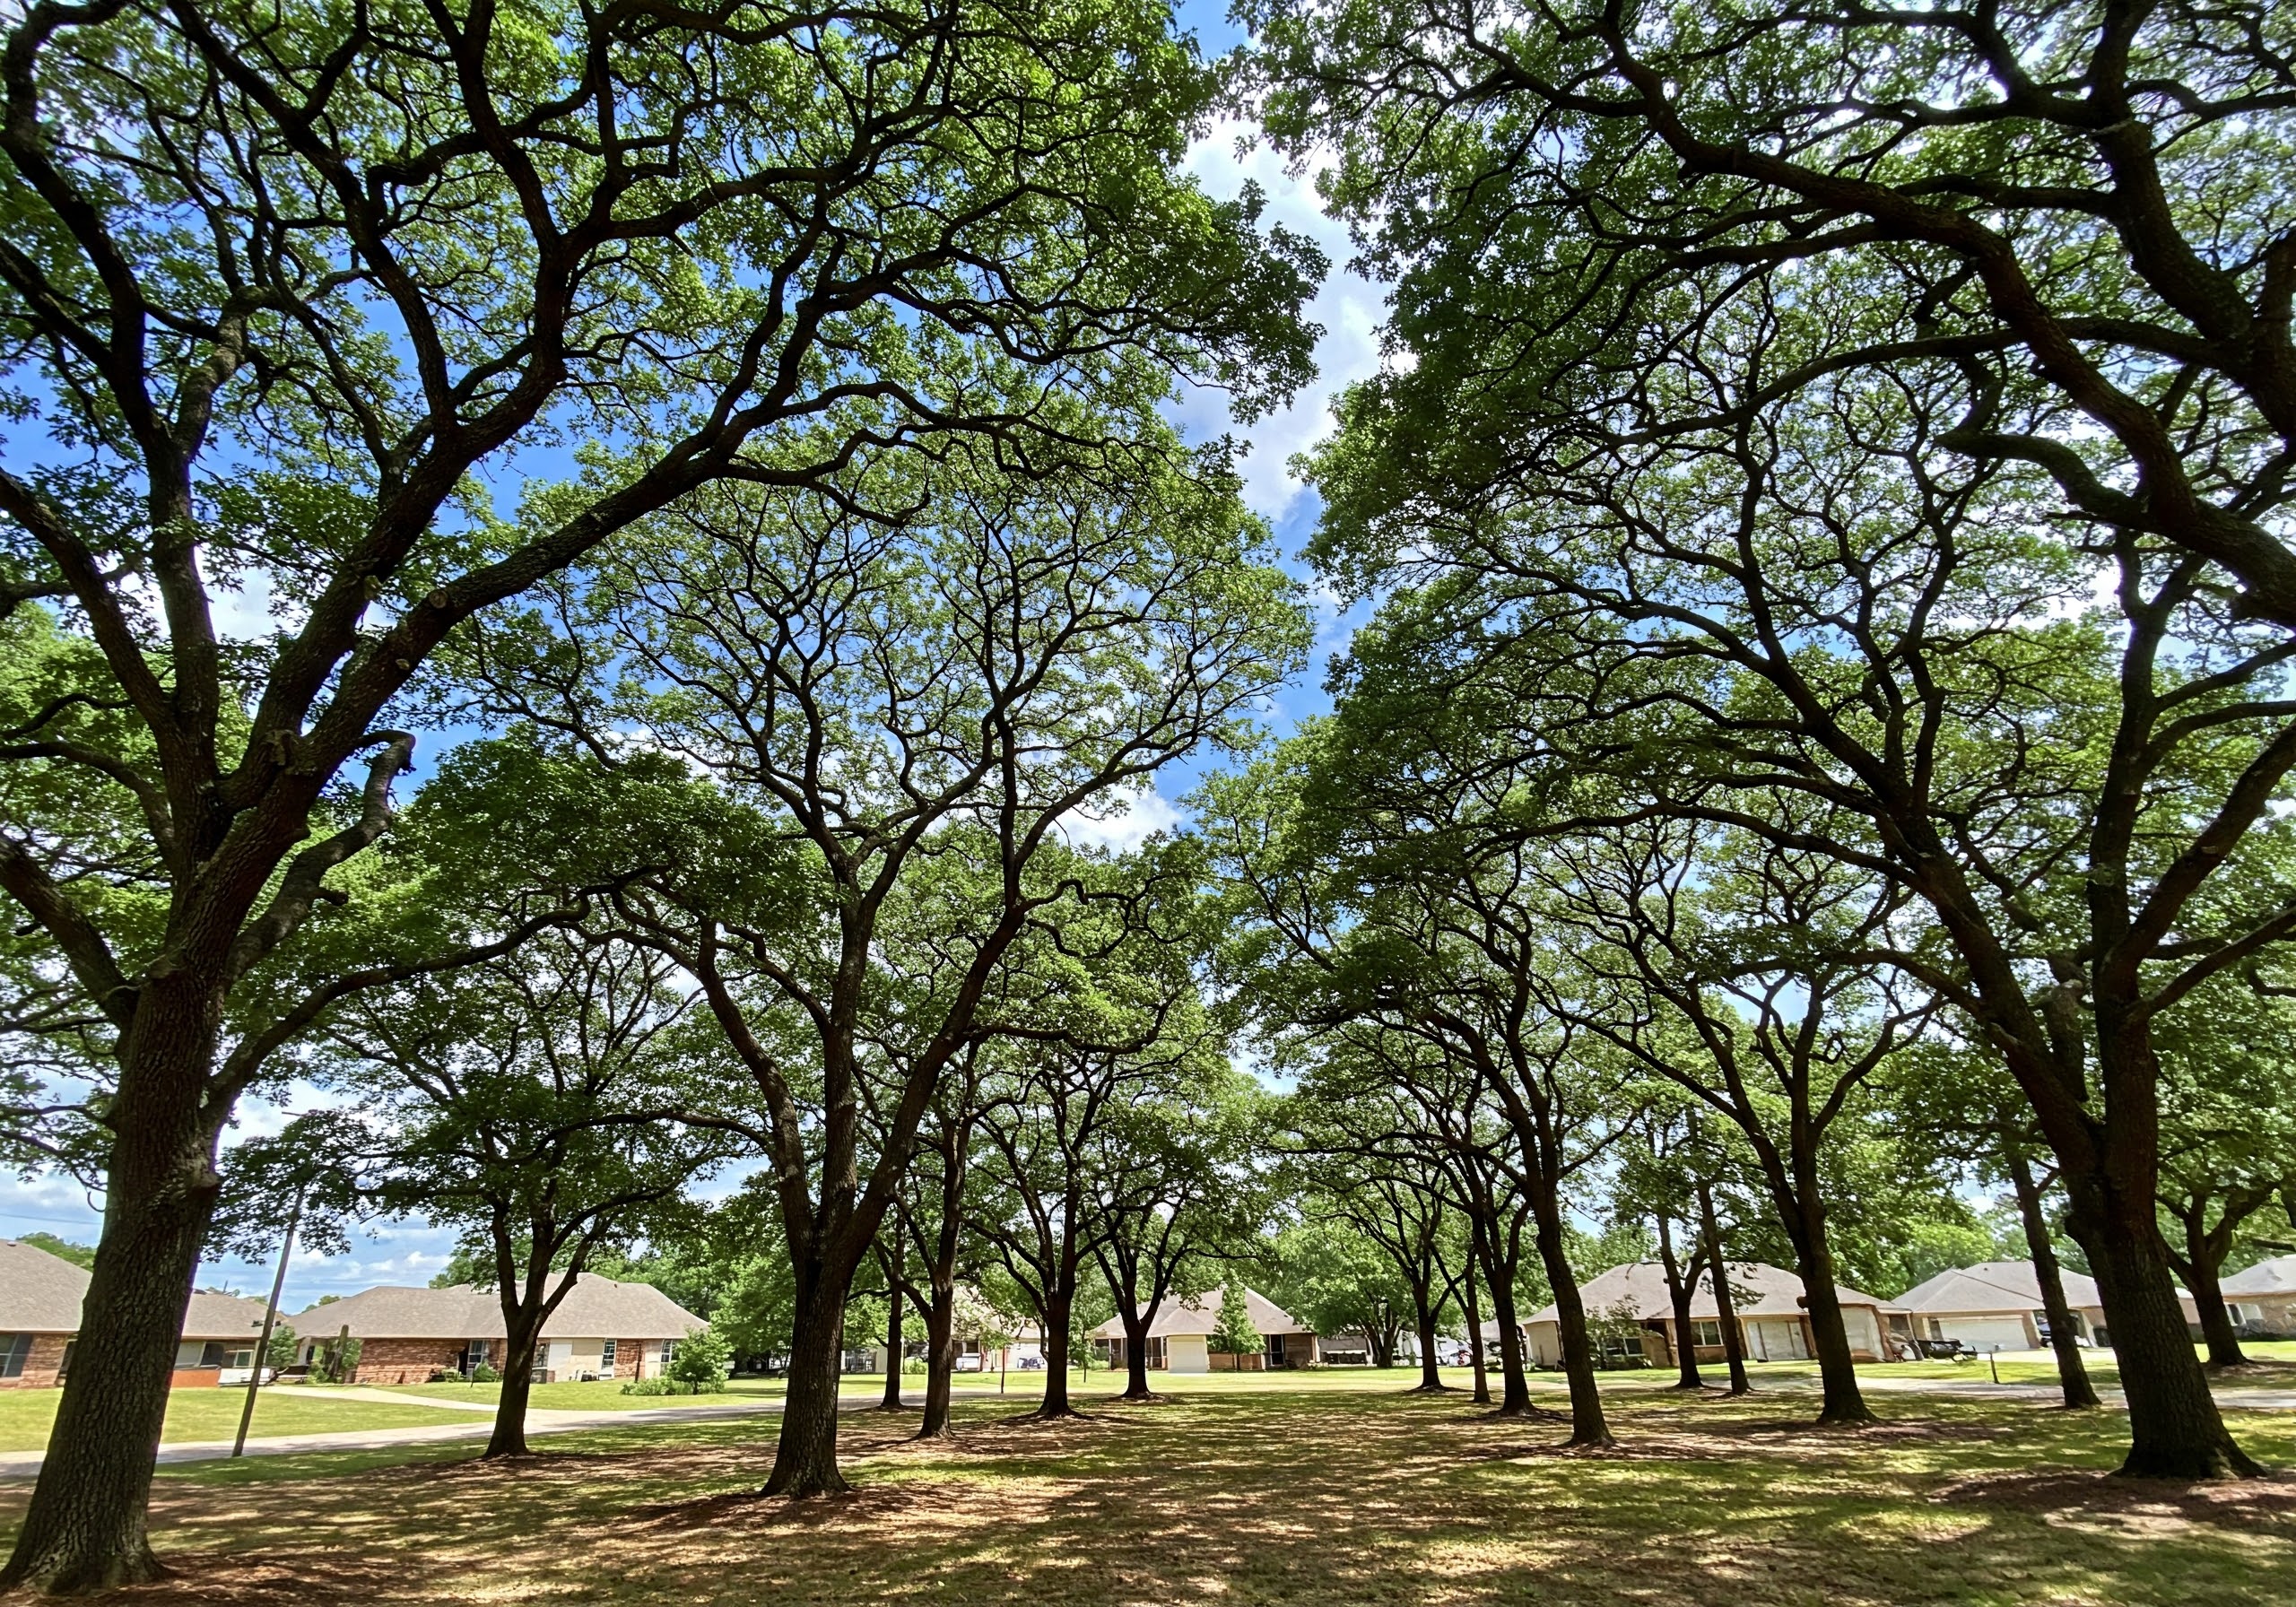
1349	310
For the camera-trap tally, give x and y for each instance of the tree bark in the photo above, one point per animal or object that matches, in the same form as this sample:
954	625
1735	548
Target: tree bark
2175	1429
940	1358
1726	1305
1472	1305
2071	1369
1841	1399
1136	1349
509	1436
85	1528
1589	1426
892	1401
1431	1379
2205	1282
804	1461
1679	1286
1059	1307
1513	1388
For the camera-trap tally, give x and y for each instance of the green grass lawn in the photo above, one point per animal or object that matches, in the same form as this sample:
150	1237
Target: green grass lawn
605	1395
1260	1489
2274	1368
196	1414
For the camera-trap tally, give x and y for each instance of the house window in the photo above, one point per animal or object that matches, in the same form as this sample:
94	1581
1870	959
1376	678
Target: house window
669	1351
1706	1331
1275	1349
15	1350
1155	1349
606	1354
211	1354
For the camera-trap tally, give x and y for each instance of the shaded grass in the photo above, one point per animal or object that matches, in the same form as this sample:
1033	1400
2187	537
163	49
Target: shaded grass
1330	1487
26	1415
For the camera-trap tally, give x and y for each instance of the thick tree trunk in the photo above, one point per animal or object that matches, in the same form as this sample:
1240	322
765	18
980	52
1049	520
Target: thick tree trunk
1679	1285
1382	1341
1430	1377
509	1436
2072	1370
2175	1429
85	1527
1514	1387
1726	1306
1589	1426
2204	1281
1841	1401
940	1359
1060	1304
804	1461
1135	1352
892	1401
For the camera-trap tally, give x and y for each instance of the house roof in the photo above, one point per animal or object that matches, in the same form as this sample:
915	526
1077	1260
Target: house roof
1995	1286
2273	1277
1757	1289
596	1308
40	1293
1201	1314
215	1315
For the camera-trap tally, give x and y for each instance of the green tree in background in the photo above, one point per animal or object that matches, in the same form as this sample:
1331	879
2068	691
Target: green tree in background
1233	1334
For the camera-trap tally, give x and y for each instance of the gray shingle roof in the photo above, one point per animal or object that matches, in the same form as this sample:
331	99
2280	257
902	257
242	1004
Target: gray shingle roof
1757	1289
1995	1286
40	1293
2276	1276
1202	1316
596	1308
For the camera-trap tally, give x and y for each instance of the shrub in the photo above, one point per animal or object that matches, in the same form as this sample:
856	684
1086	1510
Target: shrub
483	1373
699	1363
651	1386
916	1364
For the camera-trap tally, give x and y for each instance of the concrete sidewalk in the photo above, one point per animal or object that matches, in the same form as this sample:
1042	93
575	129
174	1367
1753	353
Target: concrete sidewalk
25	1465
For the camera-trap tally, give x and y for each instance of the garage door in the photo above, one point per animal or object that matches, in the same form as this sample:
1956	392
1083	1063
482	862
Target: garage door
1988	1333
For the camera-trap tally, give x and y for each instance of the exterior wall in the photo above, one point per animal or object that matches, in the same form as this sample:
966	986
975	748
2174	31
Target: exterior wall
1298	1349
1864	1327
401	1360
1544	1344
1186	1353
1250	1361
43	1366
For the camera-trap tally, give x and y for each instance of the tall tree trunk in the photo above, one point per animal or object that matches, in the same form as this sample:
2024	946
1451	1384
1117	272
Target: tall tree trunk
2175	1429
1679	1285
2072	1370
1059	1307
1381	1339
1841	1399
1423	1322
940	1357
1513	1388
1726	1305
892	1401
1588	1425
804	1461
85	1528
1136	1350
509	1436
2206	1283
1472	1305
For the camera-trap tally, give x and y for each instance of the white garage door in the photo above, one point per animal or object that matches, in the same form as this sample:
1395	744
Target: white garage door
1988	1333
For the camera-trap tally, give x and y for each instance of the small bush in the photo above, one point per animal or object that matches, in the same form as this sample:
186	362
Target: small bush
916	1364
446	1375
483	1373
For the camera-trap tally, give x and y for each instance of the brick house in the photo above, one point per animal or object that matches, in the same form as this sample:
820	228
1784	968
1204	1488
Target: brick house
40	1297
603	1329
1773	1318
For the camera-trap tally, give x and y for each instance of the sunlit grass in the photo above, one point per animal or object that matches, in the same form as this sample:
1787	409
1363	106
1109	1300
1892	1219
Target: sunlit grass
1326	1487
26	1415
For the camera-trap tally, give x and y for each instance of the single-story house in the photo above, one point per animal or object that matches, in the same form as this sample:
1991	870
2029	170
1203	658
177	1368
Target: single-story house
2263	1298
1773	1318
602	1329
1997	1306
1179	1337
40	1296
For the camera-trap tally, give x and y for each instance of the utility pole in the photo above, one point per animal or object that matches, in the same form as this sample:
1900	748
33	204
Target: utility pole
270	1316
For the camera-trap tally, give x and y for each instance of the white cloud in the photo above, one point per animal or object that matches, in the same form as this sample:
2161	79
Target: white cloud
1122	821
1348	307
